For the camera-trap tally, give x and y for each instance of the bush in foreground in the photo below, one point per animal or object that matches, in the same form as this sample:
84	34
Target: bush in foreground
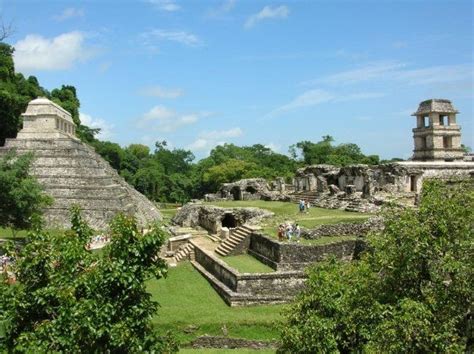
68	299
413	292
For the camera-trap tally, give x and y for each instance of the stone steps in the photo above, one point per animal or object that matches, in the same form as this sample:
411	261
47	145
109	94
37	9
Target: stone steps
185	252
74	181
236	237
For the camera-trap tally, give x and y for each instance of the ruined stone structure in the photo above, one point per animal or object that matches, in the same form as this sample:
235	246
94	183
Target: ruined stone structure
72	172
437	136
251	189
437	154
214	219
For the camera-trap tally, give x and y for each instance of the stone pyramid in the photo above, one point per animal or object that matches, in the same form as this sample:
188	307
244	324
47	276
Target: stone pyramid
72	172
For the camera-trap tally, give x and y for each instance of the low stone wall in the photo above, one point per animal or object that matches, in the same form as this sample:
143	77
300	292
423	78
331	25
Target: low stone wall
294	256
230	343
216	267
344	229
248	288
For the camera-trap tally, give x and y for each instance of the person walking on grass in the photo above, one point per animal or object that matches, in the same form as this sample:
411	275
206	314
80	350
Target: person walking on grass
297	232
301	206
289	231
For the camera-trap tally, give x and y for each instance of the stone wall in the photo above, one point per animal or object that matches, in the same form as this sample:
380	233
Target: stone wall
213	218
247	288
295	256
343	229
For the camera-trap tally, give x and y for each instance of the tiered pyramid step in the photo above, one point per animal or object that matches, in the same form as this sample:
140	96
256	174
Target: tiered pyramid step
236	237
73	173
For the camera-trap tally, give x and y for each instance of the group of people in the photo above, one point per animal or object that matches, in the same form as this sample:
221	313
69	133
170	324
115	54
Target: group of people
5	261
304	206
98	241
288	231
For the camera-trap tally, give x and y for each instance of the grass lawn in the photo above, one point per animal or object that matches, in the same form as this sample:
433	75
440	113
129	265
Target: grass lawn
245	263
168	214
289	212
6	233
188	300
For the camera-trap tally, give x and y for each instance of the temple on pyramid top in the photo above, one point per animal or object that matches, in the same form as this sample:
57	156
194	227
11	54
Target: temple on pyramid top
44	119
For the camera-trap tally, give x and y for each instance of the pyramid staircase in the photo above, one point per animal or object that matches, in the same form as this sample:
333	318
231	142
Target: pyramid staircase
236	238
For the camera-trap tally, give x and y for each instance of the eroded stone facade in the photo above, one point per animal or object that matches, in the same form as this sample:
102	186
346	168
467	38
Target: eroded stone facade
213	218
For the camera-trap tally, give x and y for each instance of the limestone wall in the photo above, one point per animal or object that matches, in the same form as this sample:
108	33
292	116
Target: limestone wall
295	256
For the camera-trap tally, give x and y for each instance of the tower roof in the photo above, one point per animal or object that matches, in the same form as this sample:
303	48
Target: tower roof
435	105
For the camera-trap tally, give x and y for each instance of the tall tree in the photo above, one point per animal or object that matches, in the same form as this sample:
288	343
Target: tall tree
21	197
69	299
412	293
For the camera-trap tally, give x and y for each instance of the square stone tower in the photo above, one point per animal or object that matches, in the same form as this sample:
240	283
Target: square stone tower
437	136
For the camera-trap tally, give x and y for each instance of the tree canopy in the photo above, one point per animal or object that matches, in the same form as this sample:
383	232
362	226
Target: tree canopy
21	196
69	299
412	292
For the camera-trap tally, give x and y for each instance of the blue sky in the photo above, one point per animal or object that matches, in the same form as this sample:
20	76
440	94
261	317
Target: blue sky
201	73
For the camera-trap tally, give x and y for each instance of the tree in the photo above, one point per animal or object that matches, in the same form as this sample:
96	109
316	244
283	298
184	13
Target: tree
412	292
21	197
69	299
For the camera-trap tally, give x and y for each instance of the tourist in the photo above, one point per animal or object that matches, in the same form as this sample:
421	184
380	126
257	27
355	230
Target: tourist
307	206
297	232
289	231
280	232
301	206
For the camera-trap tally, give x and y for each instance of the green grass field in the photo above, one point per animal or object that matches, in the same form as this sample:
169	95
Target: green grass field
168	214
6	233
289	212
245	263
188	301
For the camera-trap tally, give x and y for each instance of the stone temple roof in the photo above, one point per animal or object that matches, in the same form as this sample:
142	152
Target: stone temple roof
43	106
435	105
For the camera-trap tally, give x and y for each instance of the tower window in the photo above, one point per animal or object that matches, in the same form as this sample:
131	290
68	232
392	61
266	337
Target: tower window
426	121
443	120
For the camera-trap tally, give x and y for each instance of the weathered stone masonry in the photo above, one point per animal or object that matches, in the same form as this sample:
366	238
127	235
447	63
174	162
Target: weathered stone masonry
72	172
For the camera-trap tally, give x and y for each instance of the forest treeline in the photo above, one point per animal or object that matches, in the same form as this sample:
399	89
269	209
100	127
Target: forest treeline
167	174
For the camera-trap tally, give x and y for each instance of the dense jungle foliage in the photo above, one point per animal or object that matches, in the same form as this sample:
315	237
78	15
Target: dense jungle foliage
412	292
165	174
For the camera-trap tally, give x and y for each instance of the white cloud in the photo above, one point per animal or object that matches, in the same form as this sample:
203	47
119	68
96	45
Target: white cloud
106	129
165	5
68	13
223	9
199	144
222	134
266	13
166	120
158	35
36	52
399	72
209	139
318	96
161	92
274	147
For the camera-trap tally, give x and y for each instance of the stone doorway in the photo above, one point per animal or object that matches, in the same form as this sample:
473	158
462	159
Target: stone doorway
229	221
235	191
